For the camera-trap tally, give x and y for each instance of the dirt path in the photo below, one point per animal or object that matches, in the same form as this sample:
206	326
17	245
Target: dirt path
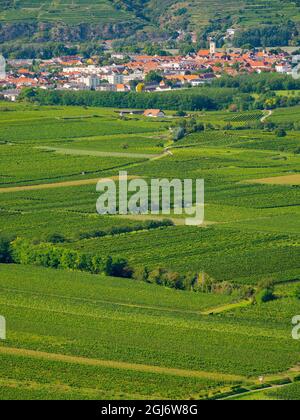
226	308
277	180
84	152
58	184
120	365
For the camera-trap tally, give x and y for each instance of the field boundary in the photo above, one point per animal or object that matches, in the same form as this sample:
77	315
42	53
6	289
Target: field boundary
293	179
75	183
97	153
121	365
226	308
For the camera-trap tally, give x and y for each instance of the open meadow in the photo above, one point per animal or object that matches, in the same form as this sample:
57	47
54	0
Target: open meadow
75	335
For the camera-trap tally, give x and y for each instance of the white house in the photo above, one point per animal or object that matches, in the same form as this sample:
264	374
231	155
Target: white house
115	78
11	95
283	68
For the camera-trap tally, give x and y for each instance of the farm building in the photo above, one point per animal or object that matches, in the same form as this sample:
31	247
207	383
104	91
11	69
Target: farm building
154	113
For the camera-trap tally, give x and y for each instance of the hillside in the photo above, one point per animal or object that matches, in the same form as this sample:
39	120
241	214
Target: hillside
65	20
79	20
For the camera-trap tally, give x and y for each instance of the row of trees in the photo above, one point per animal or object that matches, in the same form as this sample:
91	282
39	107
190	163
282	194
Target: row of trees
191	99
120	100
56	238
258	83
23	251
224	93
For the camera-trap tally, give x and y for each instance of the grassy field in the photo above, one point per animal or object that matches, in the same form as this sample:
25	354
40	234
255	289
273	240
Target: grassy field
130	339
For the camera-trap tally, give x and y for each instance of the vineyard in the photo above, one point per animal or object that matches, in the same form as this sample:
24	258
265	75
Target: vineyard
77	315
61	322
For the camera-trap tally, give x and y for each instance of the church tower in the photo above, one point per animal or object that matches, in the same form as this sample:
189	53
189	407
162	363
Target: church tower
2	68
212	47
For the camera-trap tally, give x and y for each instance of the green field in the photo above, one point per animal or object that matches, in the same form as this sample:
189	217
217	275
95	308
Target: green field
100	319
130	339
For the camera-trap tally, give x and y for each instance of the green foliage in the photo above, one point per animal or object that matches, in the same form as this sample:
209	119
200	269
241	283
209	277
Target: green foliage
153	76
55	238
265	292
75	314
49	255
287	393
297	292
266	35
193	99
118	267
5	250
280	133
178	133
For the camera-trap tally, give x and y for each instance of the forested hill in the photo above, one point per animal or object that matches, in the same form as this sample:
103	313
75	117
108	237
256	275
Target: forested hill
82	20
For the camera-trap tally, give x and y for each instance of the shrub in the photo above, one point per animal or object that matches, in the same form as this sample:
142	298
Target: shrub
55	238
178	133
141	274
5	251
280	132
297	292
118	267
265	292
297	151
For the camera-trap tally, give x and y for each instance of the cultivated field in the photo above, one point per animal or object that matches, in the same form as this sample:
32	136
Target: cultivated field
66	323
77	335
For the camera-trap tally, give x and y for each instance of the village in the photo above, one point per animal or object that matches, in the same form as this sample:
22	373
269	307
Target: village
140	73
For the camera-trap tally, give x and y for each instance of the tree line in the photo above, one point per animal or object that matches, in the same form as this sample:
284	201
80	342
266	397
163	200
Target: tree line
221	95
257	83
189	99
49	255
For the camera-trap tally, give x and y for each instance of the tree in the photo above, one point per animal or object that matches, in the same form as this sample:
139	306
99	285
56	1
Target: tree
156	276
178	133
280	132
70	260
97	265
153	77
297	292
297	151
180	114
140	87
265	292
141	274
5	251
118	267
55	238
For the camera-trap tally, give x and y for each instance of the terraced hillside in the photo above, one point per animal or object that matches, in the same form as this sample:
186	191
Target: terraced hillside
244	12
55	19
68	11
58	20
